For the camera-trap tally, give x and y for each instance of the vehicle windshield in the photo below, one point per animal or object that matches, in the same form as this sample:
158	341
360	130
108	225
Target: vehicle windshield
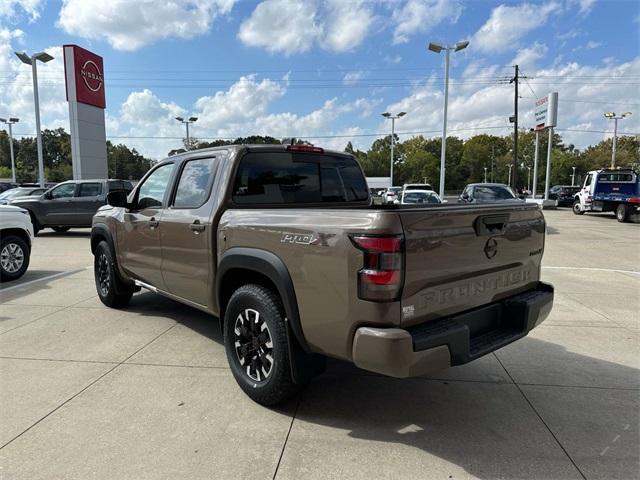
420	197
493	193
14	193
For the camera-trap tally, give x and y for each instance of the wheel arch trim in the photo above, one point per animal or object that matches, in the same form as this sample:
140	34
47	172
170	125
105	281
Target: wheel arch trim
272	267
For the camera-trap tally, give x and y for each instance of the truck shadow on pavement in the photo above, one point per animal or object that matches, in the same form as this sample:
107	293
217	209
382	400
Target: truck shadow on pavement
350	420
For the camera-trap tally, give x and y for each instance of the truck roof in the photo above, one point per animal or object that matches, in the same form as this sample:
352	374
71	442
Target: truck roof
254	147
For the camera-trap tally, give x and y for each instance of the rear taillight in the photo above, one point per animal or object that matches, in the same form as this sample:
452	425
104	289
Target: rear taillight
634	200
380	279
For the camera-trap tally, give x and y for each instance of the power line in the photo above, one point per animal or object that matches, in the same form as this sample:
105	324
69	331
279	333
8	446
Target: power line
357	135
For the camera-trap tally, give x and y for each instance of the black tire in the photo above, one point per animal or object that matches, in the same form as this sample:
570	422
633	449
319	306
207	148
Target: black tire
112	290
576	208
34	223
622	213
14	257
260	364
60	229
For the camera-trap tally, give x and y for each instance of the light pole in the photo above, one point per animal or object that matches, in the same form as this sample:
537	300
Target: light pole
437	48
615	118
485	174
187	122
10	121
393	135
528	178
573	176
509	178
32	60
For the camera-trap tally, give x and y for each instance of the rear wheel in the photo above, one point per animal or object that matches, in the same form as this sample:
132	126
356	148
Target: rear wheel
576	208
622	213
255	338
60	229
14	257
112	290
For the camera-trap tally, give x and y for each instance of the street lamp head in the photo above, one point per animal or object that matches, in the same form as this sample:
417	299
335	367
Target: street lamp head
193	119
180	119
462	45
44	57
435	47
24	57
610	114
402	114
386	114
626	114
14	119
3	120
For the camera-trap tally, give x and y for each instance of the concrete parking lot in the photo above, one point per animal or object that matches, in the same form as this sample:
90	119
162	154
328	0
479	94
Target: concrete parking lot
145	392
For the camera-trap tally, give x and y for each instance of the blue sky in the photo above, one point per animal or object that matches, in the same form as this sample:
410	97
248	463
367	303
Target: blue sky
326	69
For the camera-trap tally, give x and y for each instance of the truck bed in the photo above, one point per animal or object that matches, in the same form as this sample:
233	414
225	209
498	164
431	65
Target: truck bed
446	267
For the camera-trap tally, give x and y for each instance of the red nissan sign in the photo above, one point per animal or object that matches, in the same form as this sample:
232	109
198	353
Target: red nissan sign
84	75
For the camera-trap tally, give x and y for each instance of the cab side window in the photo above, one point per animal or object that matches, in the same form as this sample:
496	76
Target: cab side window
587	181
194	183
151	192
63	191
89	189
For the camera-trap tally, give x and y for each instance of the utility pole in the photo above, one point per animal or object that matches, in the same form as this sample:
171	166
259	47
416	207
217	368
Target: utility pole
515	81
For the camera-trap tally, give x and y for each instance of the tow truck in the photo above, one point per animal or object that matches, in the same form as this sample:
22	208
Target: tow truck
609	190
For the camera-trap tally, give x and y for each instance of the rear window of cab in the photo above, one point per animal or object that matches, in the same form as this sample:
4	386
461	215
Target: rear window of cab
281	178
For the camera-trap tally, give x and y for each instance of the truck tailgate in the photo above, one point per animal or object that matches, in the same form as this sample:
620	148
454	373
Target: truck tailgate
462	257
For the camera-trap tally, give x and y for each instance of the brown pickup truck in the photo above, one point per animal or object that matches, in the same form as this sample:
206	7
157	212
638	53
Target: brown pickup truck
284	245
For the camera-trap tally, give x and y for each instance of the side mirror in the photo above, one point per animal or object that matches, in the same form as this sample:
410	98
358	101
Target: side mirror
117	198
47	195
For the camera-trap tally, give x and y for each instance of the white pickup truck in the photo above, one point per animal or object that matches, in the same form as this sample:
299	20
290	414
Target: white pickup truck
16	237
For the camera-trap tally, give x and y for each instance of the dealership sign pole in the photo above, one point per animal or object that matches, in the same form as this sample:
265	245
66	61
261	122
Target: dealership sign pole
546	114
84	75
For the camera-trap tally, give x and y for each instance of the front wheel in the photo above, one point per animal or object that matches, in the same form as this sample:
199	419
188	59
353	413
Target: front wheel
255	339
112	290
14	257
622	213
576	208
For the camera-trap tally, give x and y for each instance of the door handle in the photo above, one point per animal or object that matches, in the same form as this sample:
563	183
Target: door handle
196	227
153	223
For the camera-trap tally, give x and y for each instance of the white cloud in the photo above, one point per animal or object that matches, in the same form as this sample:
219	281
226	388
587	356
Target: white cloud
592	44
13	8
508	24
131	24
420	16
294	26
351	78
473	108
347	24
286	26
585	6
244	100
16	98
527	58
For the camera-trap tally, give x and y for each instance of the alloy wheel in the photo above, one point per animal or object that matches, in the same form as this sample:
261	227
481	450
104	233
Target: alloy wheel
11	258
104	278
253	345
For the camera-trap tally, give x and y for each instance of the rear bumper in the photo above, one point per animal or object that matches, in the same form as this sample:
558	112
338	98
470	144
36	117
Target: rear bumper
449	341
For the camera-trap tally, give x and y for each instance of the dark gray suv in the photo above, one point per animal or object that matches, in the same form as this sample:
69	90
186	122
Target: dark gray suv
69	204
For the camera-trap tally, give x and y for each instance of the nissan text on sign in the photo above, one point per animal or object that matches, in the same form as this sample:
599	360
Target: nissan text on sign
84	76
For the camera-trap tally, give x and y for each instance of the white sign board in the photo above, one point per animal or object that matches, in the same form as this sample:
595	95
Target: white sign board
546	111
378	182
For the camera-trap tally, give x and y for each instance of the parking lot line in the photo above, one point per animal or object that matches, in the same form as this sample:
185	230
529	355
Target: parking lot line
593	269
37	280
